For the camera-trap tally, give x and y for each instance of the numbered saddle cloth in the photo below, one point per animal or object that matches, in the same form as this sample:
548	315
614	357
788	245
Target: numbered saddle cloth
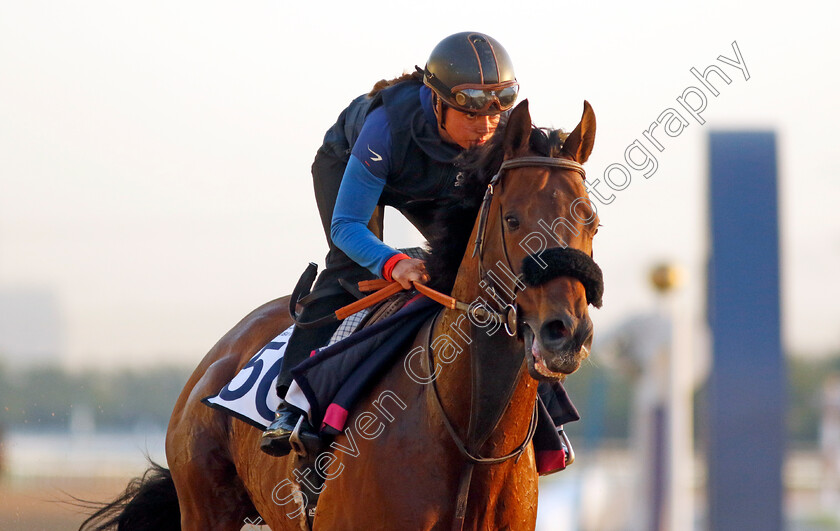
250	396
328	384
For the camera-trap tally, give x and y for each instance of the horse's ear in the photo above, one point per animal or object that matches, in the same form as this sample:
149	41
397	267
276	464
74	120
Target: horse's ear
518	131
579	144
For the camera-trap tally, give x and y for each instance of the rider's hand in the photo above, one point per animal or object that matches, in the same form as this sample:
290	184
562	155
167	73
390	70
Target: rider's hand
410	270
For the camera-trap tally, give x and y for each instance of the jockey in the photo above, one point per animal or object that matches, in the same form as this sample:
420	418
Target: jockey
395	146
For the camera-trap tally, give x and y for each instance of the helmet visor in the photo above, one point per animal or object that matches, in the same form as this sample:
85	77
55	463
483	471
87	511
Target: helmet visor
481	99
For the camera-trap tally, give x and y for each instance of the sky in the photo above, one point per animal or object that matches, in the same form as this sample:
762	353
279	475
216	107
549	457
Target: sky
154	156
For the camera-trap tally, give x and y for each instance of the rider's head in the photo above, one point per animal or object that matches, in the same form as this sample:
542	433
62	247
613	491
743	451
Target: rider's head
471	74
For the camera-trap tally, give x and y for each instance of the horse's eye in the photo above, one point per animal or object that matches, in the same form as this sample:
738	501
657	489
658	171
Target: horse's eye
511	222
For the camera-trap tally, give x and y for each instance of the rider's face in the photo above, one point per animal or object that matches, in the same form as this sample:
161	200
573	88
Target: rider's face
469	130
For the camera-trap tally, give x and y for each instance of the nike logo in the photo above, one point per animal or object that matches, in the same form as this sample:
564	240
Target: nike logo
377	157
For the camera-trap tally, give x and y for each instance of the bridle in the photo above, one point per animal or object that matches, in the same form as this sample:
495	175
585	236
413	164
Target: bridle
508	315
563	262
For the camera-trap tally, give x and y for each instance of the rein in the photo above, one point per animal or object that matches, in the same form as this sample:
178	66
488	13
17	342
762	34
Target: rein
469	456
382	290
507	315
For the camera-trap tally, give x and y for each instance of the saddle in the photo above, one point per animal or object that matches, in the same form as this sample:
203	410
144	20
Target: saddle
386	308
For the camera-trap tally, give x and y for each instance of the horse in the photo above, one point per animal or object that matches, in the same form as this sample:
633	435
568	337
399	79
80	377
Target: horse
443	440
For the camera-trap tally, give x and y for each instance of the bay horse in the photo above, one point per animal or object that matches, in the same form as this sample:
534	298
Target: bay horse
431	439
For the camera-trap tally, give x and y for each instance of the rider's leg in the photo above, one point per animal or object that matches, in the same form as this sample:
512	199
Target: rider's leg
557	403
276	438
327	172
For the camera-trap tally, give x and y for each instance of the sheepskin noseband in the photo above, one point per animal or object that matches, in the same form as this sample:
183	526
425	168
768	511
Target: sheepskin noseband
541	267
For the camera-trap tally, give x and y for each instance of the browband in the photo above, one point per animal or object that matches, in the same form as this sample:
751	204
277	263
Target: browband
518	162
521	162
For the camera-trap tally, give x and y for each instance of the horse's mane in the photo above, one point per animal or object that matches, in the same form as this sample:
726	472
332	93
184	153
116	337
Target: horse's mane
454	222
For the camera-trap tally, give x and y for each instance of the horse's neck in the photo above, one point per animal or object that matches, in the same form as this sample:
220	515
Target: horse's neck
504	392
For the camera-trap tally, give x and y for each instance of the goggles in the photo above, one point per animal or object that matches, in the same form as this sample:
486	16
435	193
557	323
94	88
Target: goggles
480	99
474	97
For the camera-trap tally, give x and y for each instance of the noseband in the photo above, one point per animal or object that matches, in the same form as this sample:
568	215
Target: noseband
537	268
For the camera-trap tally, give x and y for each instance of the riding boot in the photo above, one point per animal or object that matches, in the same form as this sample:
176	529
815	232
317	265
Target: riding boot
277	438
327	296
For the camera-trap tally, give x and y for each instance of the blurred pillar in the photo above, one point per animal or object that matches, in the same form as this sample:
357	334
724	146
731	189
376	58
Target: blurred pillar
747	385
830	445
672	503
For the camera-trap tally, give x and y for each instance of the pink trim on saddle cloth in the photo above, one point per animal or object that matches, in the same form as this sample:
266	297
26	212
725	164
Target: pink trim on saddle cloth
335	417
550	461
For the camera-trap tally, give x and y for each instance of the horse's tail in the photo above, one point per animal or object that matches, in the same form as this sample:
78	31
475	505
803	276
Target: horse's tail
149	502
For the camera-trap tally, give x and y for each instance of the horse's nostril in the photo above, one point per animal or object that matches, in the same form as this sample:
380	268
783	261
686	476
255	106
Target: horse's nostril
554	331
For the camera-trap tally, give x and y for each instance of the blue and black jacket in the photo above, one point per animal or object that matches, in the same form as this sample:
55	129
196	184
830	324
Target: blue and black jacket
394	157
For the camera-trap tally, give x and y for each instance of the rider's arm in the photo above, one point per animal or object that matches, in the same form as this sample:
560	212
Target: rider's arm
361	186
357	199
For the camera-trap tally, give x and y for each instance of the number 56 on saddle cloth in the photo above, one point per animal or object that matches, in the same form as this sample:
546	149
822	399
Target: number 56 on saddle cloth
329	383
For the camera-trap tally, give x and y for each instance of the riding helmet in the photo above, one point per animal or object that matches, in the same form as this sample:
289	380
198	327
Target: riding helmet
467	68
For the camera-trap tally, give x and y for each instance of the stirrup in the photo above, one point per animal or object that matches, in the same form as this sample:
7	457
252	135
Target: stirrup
294	439
567	446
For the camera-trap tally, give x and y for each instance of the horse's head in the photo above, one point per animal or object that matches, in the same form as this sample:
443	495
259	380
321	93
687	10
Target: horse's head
539	223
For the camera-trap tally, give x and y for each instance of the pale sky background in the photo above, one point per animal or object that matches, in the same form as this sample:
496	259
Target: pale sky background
154	156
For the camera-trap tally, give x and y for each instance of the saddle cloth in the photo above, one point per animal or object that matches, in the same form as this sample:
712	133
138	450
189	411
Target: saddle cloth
250	396
328	384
